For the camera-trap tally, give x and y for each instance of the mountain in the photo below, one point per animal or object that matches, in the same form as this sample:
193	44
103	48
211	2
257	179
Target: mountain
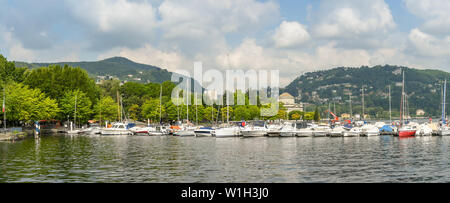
332	87
117	66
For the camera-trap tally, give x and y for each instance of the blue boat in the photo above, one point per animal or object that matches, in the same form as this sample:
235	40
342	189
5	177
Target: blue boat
386	129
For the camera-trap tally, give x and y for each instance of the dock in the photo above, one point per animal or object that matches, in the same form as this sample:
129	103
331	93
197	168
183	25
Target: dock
14	136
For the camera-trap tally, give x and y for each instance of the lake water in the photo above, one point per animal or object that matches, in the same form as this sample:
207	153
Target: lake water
65	158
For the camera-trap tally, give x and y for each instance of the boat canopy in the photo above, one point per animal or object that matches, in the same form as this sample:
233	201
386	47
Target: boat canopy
386	128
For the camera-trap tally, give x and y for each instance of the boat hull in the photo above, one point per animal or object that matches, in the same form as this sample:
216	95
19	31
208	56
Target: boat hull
320	133
406	133
227	133
304	134
444	132
203	133
185	134
287	134
250	133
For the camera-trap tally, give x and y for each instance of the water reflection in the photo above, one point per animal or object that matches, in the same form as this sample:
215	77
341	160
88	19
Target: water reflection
173	159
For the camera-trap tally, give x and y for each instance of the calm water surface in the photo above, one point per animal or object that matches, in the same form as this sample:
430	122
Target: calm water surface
66	158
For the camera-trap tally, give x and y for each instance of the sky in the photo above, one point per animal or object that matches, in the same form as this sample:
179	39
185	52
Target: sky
292	36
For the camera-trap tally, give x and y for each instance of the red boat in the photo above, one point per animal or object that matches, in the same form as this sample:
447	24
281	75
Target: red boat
406	133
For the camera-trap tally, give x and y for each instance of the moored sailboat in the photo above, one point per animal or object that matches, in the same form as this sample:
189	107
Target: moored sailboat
405	130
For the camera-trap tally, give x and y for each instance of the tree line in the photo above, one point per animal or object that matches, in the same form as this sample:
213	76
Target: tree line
52	92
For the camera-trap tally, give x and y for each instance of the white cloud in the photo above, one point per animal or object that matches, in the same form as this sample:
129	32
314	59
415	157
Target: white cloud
15	50
435	13
290	34
349	18
111	23
429	45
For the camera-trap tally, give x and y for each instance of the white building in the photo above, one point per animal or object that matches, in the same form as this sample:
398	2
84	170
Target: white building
289	102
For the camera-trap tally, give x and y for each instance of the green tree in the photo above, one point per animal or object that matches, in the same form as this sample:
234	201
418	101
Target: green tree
55	81
110	88
316	114
241	113
106	109
223	112
298	115
254	112
171	113
210	114
134	112
309	116
9	72
28	105
83	104
151	110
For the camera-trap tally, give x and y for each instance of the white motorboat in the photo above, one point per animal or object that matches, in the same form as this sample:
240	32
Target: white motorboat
370	130
254	131
288	130
159	130
273	130
424	130
337	131
353	132
379	124
185	133
444	131
305	130
92	130
117	129
204	132
257	129
232	131
321	131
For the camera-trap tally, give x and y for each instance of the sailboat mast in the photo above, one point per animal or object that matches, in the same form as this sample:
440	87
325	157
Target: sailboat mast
351	111
402	98
75	122
196	110
363	102
118	107
443	102
390	108
228	119
160	103
334	107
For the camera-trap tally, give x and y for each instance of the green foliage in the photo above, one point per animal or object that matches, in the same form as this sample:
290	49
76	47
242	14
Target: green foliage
241	113
110	88
223	113
210	114
28	105
8	71
295	115
151	110
56	81
316	114
83	106
106	109
309	116
134	112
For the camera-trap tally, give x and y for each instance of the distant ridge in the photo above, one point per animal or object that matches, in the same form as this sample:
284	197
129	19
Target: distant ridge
334	85
116	66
